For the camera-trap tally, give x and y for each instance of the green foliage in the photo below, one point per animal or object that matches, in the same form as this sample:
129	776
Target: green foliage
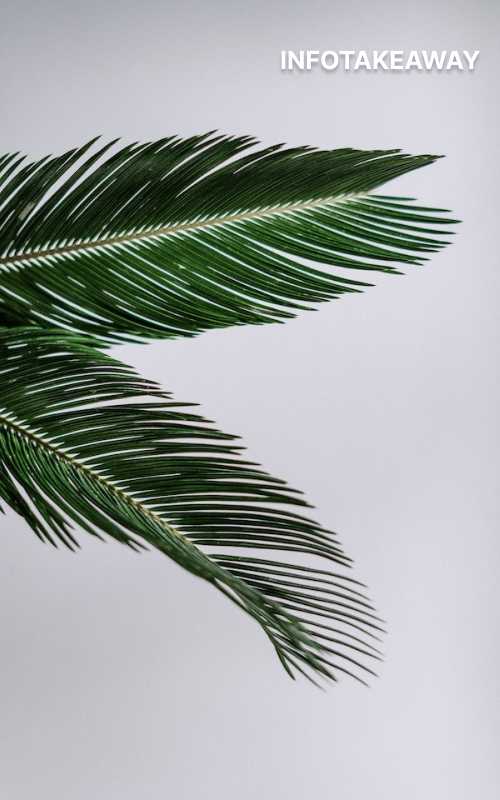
170	239
179	236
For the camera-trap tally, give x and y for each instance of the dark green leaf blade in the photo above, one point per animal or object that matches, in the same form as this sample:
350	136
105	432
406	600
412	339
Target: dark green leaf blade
85	442
178	236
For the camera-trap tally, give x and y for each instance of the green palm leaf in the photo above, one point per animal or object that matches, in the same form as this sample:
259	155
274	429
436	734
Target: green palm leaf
85	441
177	236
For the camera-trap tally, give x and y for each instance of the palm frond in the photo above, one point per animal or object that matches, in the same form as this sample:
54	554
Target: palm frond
178	236
84	441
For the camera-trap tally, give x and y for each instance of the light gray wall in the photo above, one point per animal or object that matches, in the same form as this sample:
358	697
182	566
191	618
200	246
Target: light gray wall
123	677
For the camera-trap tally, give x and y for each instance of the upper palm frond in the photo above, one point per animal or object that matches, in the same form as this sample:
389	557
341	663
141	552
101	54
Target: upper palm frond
84	440
179	236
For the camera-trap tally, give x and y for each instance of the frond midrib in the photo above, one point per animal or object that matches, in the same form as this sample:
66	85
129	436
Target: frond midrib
169	230
41	441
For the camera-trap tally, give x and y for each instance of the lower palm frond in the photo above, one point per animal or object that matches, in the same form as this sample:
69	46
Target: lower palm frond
84	441
193	234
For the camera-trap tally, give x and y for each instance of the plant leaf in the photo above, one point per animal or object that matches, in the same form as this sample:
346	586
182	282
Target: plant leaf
84	441
178	236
